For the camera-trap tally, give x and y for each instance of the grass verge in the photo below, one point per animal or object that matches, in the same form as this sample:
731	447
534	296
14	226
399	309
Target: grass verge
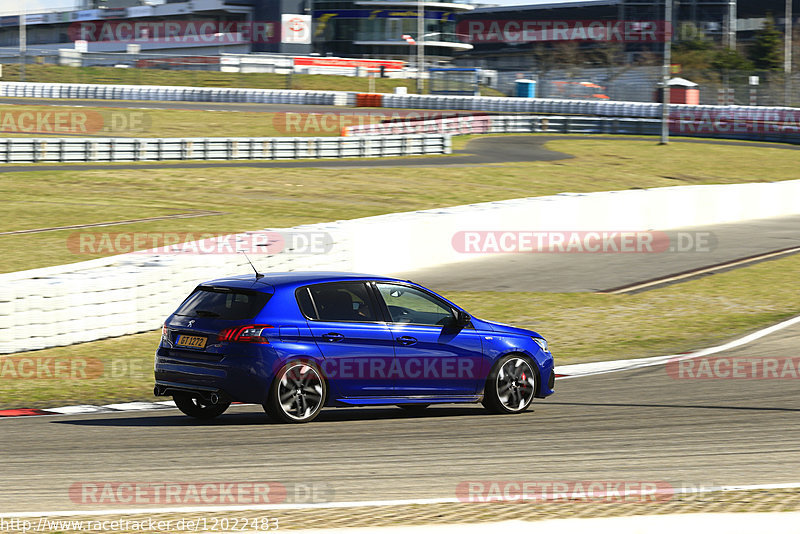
256	198
80	121
580	327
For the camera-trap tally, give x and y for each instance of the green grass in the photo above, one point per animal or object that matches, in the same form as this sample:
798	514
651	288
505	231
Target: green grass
202	78
257	198
580	327
118	122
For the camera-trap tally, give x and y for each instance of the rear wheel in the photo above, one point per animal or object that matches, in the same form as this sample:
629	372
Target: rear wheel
297	394
197	407
511	385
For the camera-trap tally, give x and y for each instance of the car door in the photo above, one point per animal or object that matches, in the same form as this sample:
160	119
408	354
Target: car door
434	356
355	341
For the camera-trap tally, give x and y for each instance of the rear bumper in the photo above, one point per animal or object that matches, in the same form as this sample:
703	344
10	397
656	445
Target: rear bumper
244	377
211	394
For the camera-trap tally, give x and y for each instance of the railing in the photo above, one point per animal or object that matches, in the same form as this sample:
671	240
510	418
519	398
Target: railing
488	124
45	150
751	125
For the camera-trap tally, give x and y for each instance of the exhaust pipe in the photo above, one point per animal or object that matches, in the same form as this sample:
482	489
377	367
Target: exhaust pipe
162	391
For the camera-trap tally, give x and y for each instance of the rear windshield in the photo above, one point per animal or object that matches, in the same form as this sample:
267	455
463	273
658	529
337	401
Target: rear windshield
221	303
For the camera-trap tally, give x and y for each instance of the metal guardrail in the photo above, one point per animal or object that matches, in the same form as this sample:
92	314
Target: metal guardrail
488	124
76	150
753	127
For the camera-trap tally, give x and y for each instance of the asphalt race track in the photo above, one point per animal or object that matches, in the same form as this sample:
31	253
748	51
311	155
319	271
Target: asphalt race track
638	425
571	272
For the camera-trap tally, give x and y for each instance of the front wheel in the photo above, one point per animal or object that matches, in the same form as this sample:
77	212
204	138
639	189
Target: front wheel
196	407
297	394
511	385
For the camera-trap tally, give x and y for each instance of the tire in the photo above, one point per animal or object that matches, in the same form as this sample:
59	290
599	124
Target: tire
198	408
298	393
511	385
413	408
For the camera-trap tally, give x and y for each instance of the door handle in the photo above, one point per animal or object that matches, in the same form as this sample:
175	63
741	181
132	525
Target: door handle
406	340
332	336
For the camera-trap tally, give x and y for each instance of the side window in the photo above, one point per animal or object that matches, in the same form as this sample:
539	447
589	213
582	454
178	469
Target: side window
304	301
340	301
410	305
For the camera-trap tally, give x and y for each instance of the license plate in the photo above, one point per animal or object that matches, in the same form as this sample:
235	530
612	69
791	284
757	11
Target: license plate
198	342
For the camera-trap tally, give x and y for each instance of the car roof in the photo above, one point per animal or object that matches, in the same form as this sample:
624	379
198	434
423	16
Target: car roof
295	278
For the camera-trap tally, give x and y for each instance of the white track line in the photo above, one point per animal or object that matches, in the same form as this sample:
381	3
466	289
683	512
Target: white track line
596	368
352	504
698	272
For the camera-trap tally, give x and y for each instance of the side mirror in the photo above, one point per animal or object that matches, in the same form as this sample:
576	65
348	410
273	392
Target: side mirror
462	318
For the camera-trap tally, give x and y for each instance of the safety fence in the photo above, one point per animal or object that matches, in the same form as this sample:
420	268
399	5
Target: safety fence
75	150
489	124
720	123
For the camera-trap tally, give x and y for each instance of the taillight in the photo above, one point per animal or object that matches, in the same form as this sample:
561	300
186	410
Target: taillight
245	334
164	334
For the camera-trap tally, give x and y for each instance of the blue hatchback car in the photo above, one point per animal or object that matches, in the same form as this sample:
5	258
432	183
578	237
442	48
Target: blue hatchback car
295	342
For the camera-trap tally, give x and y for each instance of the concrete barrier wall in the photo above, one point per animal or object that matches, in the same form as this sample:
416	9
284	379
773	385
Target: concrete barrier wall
134	292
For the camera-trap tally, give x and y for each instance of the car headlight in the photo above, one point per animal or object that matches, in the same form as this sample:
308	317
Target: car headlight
542	342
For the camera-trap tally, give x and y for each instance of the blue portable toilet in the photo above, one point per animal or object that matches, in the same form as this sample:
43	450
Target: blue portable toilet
526	88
